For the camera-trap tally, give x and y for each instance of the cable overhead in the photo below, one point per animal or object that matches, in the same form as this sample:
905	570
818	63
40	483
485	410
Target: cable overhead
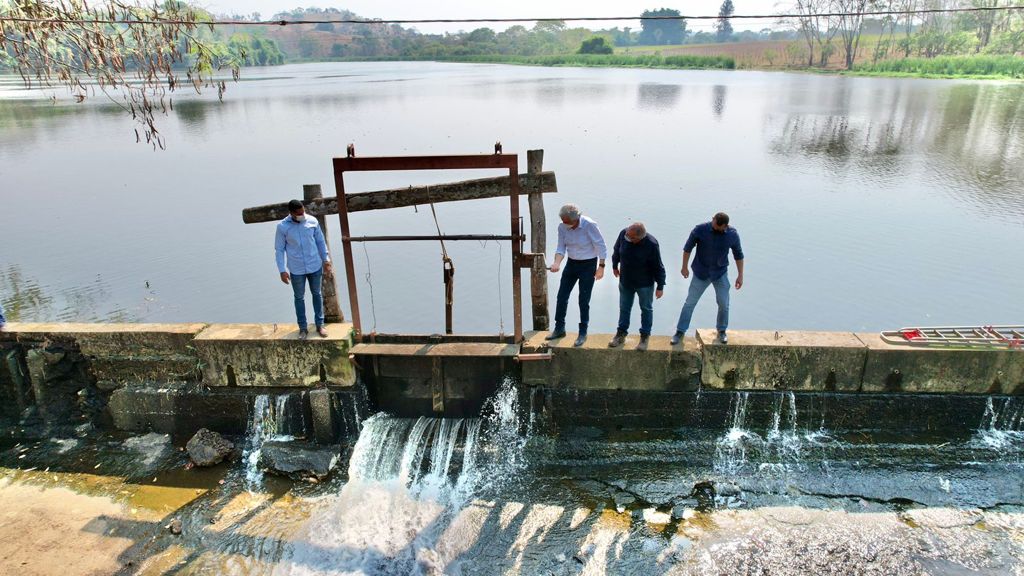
784	16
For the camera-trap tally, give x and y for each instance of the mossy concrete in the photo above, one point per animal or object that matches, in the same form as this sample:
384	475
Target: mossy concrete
595	366
905	368
273	355
799	361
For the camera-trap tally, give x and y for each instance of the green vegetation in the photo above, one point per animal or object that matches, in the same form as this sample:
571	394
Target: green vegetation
982	66
595	45
608	60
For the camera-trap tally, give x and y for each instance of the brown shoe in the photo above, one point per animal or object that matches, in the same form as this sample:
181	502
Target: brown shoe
618	340
321	331
642	346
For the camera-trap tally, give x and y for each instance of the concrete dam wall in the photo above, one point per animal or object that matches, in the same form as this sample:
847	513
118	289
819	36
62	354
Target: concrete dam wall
177	378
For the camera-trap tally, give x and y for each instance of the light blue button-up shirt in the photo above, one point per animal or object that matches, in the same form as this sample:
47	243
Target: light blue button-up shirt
304	244
582	243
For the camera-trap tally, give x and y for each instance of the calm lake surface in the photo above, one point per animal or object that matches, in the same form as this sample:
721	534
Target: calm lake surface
863	204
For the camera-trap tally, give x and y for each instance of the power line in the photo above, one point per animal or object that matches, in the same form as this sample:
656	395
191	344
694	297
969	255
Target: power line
784	16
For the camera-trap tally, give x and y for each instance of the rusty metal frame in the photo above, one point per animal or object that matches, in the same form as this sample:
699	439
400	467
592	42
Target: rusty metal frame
509	162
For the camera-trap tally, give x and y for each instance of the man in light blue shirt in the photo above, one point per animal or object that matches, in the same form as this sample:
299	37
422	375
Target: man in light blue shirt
580	240
300	239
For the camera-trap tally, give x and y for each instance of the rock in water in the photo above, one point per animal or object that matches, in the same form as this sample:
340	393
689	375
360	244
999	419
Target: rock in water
207	448
299	460
175	527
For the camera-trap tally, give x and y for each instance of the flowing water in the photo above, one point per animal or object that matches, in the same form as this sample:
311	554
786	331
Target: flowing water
770	492
267	421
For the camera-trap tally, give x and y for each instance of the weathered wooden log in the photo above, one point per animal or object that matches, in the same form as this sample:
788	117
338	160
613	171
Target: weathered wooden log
329	288
543	182
538	242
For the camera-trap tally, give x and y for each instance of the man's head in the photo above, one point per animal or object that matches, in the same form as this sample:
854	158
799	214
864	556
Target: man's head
720	222
570	215
636	232
296	209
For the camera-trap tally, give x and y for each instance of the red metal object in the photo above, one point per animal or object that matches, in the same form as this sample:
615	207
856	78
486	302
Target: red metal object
912	334
500	161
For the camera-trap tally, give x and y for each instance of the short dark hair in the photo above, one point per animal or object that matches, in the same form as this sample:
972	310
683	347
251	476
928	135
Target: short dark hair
294	205
721	219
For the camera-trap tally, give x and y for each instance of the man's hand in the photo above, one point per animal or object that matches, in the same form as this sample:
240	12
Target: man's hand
616	272
658	294
685	272
599	274
553	268
284	277
328	266
739	282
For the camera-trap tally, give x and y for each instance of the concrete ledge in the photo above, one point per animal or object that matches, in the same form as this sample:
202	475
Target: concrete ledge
895	368
763	360
120	354
273	355
595	366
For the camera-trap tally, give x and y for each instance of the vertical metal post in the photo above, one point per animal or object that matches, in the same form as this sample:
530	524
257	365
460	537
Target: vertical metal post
332	309
346	245
538	244
517	250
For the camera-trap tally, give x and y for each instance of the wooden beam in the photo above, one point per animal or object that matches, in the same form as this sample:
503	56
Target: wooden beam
538	244
329	286
496	187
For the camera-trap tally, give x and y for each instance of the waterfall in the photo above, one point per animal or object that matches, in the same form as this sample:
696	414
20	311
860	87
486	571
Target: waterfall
781	445
1001	426
409	482
267	421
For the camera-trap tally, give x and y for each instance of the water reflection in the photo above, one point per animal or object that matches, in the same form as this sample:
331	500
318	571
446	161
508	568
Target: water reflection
25	299
658	96
718	93
970	138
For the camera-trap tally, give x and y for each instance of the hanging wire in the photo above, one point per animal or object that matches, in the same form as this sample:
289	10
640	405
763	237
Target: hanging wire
286	22
369	281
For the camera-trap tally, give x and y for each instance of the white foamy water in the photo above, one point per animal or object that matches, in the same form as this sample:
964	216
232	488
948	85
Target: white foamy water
406	507
1001	425
265	423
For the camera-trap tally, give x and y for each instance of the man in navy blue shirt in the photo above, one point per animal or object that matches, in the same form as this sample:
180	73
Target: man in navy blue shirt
636	262
713	240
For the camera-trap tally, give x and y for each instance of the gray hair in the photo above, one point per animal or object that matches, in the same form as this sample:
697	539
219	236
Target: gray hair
638	229
570	211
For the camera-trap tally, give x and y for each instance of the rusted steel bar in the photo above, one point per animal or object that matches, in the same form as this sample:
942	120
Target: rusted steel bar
332	309
538	240
435	238
517	250
478	189
346	246
454	162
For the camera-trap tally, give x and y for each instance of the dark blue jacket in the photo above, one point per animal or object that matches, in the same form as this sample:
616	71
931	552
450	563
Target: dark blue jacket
639	264
712	257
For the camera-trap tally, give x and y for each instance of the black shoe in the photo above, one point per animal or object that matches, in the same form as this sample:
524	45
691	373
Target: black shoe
303	334
676	338
618	340
555	335
642	346
580	340
722	337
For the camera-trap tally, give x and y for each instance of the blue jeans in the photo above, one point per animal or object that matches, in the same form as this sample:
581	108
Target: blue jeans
299	288
646	296
2	319
575	270
697	288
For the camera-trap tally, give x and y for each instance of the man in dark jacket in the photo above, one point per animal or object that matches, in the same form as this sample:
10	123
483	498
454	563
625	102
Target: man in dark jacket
636	262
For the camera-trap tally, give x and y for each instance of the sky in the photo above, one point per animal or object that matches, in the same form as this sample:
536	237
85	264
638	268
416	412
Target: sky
418	9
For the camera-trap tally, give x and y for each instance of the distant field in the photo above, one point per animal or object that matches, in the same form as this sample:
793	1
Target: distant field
768	54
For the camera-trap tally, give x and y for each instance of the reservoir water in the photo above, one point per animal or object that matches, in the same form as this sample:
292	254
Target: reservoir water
863	203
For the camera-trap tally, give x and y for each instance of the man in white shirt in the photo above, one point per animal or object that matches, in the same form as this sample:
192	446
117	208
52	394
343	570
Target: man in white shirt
580	240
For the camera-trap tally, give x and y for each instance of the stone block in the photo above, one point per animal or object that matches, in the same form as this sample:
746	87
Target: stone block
595	366
179	410
272	355
763	360
904	368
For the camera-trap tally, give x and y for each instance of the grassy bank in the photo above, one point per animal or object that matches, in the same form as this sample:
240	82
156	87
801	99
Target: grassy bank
981	66
609	60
